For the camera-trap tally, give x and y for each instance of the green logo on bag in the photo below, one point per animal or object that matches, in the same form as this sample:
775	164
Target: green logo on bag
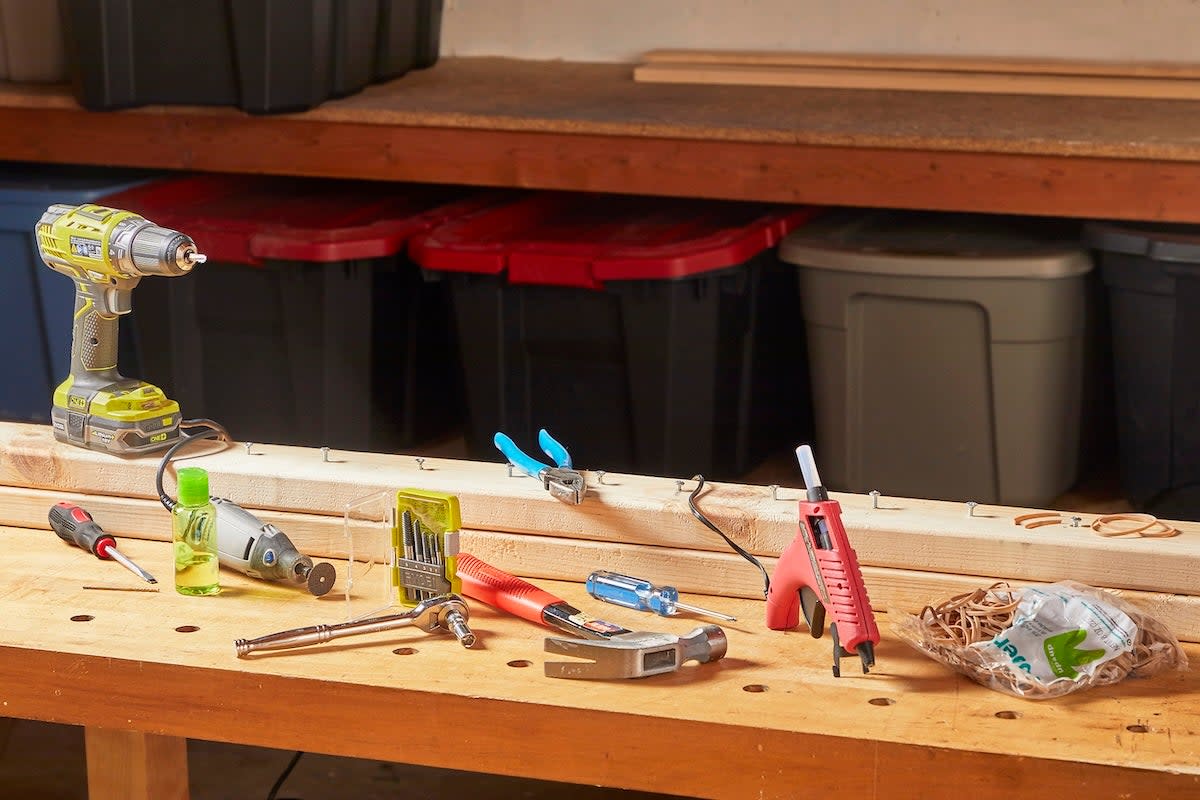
1064	655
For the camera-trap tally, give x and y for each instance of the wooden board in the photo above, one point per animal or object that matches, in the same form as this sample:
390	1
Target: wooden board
927	734
553	557
912	80
929	63
902	533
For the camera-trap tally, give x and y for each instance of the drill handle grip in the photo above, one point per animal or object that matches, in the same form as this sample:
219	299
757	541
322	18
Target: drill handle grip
93	339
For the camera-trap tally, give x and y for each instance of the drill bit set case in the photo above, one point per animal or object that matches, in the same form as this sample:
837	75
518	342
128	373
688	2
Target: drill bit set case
949	353
654	335
259	55
308	325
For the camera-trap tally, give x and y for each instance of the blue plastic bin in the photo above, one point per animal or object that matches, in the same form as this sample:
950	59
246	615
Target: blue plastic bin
36	303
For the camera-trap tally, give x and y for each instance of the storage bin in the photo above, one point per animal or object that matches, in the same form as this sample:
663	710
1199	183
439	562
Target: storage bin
947	353
1152	273
648	335
307	325
262	56
31	42
36	303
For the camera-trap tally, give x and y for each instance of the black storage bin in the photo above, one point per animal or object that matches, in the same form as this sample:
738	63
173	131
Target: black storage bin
647	335
307	325
1153	277
262	56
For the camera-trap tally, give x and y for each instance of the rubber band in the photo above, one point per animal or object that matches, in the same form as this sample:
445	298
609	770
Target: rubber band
1023	518
1145	525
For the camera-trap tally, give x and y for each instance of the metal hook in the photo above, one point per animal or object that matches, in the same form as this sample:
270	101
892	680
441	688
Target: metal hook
420	463
249	446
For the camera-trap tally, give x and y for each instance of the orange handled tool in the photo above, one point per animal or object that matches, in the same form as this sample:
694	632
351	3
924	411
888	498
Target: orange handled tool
495	587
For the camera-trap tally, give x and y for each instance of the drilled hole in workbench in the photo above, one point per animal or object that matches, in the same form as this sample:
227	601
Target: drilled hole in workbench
1008	714
405	651
882	701
187	629
754	688
1138	728
520	662
82	618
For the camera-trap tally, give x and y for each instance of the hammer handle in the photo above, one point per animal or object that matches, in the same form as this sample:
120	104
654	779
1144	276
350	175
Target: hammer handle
487	584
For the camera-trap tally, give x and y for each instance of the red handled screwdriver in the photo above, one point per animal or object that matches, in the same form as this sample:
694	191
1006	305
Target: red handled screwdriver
76	526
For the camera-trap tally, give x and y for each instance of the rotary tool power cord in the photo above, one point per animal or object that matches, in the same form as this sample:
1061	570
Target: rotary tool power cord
708	523
213	431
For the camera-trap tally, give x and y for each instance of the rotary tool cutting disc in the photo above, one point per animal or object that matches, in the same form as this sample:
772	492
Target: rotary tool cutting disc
321	578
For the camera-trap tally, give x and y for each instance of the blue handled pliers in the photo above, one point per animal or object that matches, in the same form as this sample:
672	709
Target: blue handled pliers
561	481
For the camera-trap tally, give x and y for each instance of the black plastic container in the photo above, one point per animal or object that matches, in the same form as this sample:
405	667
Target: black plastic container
307	325
1153	277
646	334
262	56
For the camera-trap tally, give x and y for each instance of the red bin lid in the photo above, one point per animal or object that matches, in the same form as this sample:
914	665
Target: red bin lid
246	219
583	240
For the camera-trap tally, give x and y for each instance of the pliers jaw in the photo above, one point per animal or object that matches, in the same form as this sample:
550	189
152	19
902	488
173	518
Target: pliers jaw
565	484
562	481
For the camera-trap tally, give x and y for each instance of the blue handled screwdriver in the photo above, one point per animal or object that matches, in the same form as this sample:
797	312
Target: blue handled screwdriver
622	590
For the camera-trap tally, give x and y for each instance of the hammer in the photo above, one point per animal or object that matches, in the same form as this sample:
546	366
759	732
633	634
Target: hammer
615	652
634	654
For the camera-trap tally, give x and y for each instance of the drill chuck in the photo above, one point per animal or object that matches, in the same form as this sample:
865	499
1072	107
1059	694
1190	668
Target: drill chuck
153	250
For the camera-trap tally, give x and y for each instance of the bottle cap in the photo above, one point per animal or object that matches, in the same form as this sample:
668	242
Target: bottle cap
193	486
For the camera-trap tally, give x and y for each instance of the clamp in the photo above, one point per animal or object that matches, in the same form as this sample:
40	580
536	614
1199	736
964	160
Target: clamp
561	481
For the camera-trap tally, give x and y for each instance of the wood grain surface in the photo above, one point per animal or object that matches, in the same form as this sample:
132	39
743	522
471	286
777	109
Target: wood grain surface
894	590
902	533
590	127
927	733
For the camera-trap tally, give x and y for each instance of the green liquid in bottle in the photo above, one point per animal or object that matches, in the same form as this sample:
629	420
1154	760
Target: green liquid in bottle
194	527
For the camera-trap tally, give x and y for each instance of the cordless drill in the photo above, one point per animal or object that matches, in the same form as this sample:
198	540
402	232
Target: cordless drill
106	252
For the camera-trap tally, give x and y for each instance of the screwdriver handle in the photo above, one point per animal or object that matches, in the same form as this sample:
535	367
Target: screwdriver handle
629	592
76	526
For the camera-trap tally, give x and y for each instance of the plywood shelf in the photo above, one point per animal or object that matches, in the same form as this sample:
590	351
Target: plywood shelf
590	127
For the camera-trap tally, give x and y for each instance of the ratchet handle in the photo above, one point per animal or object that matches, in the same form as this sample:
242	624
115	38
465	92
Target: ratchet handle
487	584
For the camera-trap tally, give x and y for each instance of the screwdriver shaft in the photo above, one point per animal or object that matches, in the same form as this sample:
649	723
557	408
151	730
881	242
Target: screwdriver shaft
705	611
124	561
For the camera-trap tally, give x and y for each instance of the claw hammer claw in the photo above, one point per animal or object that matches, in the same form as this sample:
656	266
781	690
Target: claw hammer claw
634	655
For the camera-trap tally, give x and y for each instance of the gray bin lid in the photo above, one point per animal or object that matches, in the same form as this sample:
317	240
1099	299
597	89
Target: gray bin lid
1161	241
937	245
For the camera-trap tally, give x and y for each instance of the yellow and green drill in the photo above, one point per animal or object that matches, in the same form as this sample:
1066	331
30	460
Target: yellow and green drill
106	252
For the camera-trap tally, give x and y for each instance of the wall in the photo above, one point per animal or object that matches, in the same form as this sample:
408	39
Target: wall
618	30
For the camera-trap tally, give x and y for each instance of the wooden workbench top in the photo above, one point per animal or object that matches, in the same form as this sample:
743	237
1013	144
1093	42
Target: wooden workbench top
765	720
501	122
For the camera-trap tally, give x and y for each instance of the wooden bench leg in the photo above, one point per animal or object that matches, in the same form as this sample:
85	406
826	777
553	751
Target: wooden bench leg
128	765
6	726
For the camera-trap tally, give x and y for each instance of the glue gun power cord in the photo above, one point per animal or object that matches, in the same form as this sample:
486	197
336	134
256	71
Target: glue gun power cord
708	523
210	431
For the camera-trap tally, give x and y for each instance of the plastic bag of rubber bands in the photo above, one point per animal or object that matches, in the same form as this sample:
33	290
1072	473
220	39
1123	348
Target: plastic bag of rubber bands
1043	642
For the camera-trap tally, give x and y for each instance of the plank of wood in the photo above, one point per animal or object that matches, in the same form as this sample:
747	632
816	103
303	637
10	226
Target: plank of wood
1145	69
556	558
468	702
902	533
912	80
132	765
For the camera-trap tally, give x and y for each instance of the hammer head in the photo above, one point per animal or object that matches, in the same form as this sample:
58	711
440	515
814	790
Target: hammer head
634	655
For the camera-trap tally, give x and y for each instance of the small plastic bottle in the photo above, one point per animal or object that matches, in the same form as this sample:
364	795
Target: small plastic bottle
194	525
